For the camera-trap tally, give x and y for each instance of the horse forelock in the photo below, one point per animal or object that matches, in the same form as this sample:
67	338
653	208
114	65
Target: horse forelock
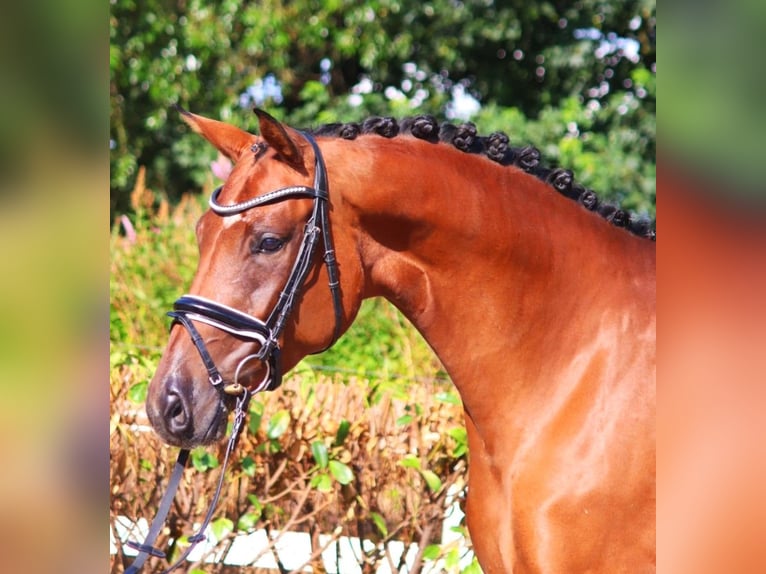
495	147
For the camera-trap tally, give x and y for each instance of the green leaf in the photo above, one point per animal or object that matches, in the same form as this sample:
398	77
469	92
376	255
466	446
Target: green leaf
248	522
452	559
221	527
460	450
342	433
380	522
341	472
256	414
137	393
432	551
458	433
410	461
461	438
404	420
322	482
433	481
472	568
319	450
449	397
203	460
256	502
248	466
278	424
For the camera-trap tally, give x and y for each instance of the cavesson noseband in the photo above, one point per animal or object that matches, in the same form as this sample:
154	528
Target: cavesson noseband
190	308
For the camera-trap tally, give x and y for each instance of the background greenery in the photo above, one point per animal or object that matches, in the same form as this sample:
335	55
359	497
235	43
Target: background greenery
577	79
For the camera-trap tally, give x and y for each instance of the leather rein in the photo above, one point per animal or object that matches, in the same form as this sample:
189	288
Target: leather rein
192	308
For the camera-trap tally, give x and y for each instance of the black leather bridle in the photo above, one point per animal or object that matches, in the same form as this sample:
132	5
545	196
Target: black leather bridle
190	308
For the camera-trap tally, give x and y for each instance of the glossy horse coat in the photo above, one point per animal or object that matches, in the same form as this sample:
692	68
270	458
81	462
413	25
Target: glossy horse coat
541	310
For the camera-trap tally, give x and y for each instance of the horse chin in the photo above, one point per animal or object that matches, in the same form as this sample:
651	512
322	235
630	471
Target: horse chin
217	429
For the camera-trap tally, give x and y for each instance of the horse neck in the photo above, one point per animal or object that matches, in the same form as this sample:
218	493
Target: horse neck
484	260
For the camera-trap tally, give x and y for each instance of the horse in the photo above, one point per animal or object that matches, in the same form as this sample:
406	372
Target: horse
538	299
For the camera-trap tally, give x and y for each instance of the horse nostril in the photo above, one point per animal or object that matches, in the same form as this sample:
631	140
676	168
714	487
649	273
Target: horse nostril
176	413
174	408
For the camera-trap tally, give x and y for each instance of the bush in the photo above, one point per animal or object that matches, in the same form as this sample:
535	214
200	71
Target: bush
350	445
315	62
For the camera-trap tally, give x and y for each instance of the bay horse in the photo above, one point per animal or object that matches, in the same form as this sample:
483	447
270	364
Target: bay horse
538	299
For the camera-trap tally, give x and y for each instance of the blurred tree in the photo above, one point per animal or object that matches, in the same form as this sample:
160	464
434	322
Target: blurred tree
313	61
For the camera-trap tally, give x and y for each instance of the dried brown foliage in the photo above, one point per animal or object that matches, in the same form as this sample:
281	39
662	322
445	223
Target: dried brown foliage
269	484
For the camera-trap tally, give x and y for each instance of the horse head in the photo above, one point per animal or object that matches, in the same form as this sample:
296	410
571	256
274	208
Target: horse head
259	301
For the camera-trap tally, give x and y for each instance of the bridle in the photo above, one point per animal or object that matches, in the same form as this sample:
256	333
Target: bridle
189	308
192	308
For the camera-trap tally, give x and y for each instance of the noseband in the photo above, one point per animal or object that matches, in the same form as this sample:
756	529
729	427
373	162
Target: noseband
190	308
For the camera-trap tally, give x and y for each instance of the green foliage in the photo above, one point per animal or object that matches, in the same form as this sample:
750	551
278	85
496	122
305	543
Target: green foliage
137	392
473	568
341	472
256	414
342	433
314	62
328	463
380	341
431	478
319	450
605	144
220	527
202	460
278	424
380	523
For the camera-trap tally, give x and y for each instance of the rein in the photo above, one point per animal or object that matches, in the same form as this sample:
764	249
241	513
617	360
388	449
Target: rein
147	548
190	308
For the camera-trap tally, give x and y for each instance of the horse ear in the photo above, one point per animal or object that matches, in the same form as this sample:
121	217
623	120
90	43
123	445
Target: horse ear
278	138
228	139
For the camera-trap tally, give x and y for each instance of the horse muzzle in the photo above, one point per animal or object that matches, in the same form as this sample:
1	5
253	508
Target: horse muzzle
186	414
185	409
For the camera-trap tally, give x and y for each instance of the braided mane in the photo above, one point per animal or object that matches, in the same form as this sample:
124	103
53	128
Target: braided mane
496	147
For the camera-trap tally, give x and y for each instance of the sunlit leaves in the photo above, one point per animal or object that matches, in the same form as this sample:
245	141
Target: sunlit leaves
137	393
322	482
220	527
431	479
515	55
202	460
248	466
319	450
278	424
343	429
341	472
380	523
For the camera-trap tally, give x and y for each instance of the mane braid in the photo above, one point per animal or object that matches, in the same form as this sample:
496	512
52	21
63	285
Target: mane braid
497	148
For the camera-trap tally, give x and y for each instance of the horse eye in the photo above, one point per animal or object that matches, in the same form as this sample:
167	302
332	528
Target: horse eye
269	244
